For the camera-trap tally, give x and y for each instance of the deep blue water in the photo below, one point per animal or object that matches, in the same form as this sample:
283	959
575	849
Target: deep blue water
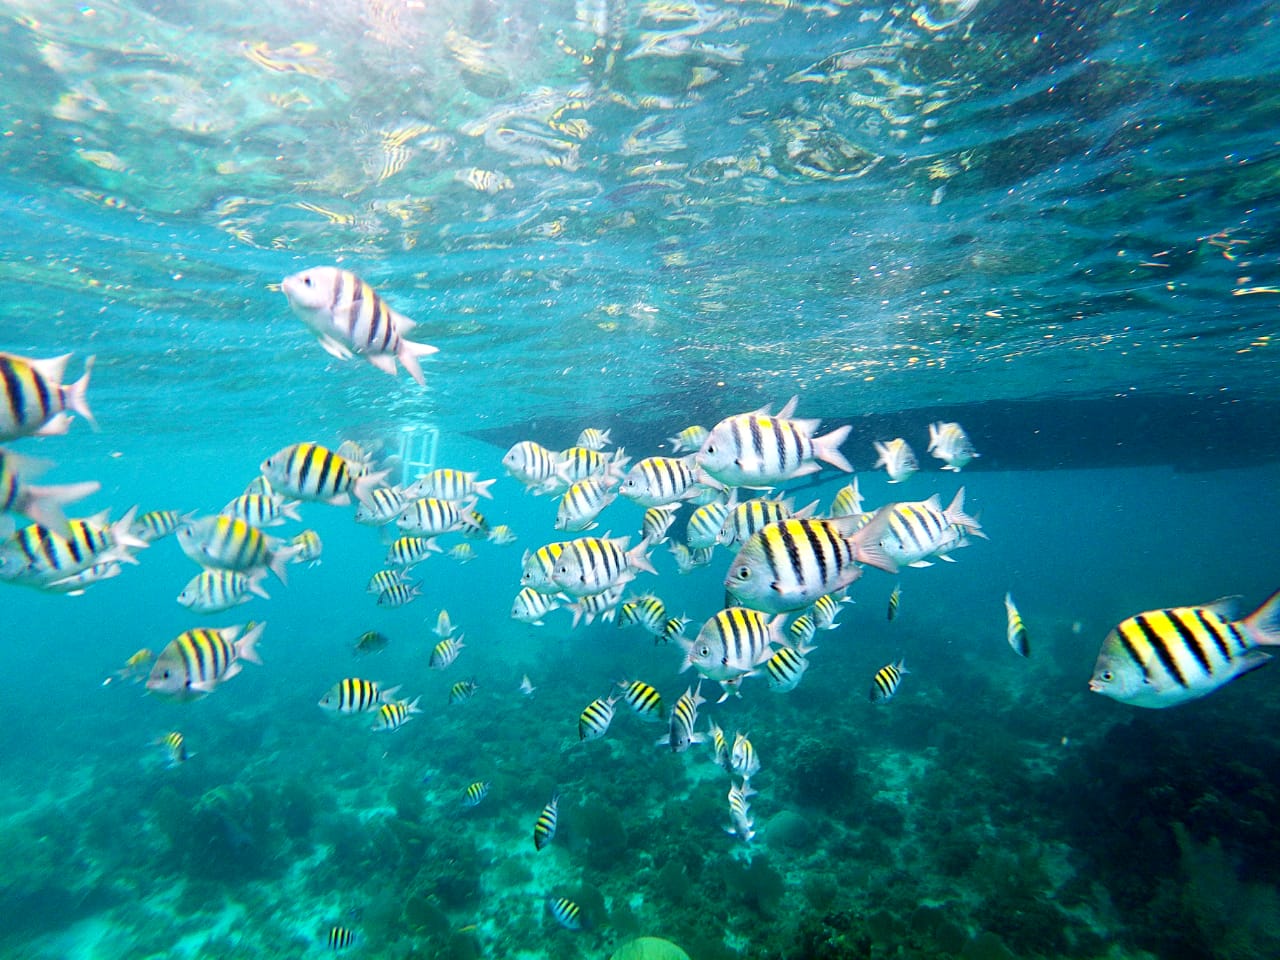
1052	222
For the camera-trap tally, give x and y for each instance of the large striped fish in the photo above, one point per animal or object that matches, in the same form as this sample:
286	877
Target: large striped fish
759	450
1165	657
921	531
33	398
788	565
195	662
228	543
732	644
309	471
350	319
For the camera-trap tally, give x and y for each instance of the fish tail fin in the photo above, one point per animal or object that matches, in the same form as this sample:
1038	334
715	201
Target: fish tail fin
44	504
255	583
363	485
482	487
638	558
122	536
74	396
827	448
866	541
408	354
279	562
1263	625
246	646
955	514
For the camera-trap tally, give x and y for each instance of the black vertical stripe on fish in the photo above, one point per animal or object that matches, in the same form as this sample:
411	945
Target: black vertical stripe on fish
1192	638
780	436
1162	651
13	390
326	466
818	544
757	436
1218	639
1123	633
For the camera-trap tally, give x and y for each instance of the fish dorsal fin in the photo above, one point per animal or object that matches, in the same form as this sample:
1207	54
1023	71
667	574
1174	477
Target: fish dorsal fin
1225	607
789	408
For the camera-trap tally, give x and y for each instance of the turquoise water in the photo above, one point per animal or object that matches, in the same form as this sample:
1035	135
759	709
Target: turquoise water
1053	223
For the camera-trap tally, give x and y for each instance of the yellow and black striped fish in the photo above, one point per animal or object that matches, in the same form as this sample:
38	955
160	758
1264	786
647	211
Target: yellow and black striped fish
195	662
175	747
309	471
647	610
394	715
785	668
544	829
895	598
885	683
40	504
1017	632
406	551
462	691
567	913
230	543
33	399
340	938
1164	657
595	718
475	792
445	652
540	566
643	699
356	695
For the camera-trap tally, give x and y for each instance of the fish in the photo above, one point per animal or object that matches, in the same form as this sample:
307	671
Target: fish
228	543
309	471
444	625
156	524
897	458
216	590
579	463
758	450
340	938
719	745
526	686
748	518
657	521
135	668
33	399
1017	630
594	564
786	667
593	439
544	828
461	552
801	630
703	529
921	531
643	699
656	481
429	517
538	567
502	535
394	715
1162	658
195	662
380	506
672	630
885	683
355	695
593	722
37	556
582	503
648	611
603	605
407	551
350	319
386	579
371	641
740	823
538	468
475	793
732	643
567	913
949	442
462	691
262	510
896	597
76	584
847	502
788	565
684	715
825	610
445	483
175	748
743	760
532	606
688	440
307	548
687	560
40	504
399	594
446	652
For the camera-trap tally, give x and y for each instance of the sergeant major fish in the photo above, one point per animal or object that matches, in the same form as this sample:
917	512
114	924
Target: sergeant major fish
949	443
1165	657
885	683
34	400
309	471
897	458
759	450
194	663
349	318
684	715
1017	630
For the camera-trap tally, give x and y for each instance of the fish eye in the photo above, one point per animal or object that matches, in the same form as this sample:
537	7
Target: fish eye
165	675
306	281
704	650
743	573
1107	676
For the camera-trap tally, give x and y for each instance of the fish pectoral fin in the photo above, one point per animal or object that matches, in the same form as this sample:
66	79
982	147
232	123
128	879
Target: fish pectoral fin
386	362
335	348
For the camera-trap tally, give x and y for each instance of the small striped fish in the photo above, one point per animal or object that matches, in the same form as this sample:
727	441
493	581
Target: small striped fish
786	667
582	503
743	760
949	442
355	695
921	531
594	564
593	439
155	524
350	319
539	566
593	722
261	510
532	606
195	662
1165	657
475	793
703	530
603	605
309	471
394	715
732	643
684	715
33	399
897	458
825	610
544	828
885	683
37	556
216	590
406	551
643	699
748	518
535	466
229	543
567	913
759	450
801	630
380	506
895	599
847	502
446	483
386	579
428	516
579	463
648	611
1017	630
788	565
657	521
462	691
398	594
688	440
175	747
741	825
340	938
655	481
446	652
